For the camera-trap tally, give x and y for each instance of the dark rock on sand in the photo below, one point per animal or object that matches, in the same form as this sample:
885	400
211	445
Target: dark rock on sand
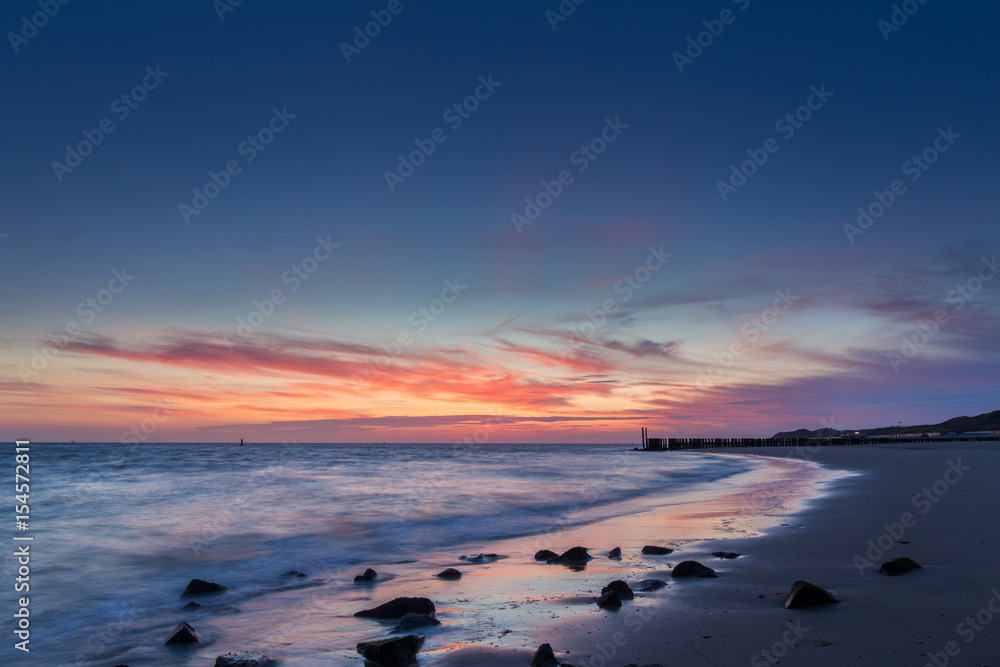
651	550
480	558
183	634
398	608
545	554
804	594
609	600
729	555
648	585
294	573
245	659
544	657
574	555
191	606
692	568
199	587
898	566
392	652
369	575
411	621
620	588
615	554
450	573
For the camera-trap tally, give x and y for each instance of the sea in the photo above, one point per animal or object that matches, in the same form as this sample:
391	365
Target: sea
119	530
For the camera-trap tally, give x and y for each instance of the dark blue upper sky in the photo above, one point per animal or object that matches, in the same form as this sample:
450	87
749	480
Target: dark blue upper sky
656	184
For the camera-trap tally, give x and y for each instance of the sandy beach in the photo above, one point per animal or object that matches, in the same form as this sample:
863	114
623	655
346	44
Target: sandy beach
934	504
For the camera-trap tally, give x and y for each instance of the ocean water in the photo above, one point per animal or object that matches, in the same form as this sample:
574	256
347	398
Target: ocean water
119	530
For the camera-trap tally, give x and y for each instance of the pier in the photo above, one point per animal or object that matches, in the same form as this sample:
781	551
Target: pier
683	444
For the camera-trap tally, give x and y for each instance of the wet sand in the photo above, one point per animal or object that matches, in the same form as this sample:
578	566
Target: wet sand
936	504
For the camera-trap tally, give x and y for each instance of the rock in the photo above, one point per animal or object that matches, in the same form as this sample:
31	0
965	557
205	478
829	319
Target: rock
450	573
245	659
615	554
609	600
729	555
480	558
692	568
545	554
648	585
411	621
199	587
620	588
574	555
294	573
398	608
368	576
392	652
898	566
804	594
183	634
191	605
651	550
544	657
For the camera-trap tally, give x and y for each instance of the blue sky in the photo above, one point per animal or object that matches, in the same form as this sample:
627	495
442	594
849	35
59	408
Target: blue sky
516	339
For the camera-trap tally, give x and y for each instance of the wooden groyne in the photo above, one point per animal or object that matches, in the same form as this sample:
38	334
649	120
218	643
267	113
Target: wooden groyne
680	444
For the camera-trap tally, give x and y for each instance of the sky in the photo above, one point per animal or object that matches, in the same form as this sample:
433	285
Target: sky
497	221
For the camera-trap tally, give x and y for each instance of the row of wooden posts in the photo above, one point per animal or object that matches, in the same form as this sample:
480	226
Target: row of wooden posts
673	444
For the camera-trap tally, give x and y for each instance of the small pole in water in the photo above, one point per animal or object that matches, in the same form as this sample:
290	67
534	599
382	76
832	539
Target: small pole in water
241	442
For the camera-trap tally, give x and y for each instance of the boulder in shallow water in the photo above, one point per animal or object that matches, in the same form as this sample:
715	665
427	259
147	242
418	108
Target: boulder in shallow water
294	573
191	606
804	594
620	588
411	621
392	652
398	608
898	566
692	568
651	550
201	587
368	576
615	554
182	634
609	600
545	554
648	585
481	558
544	657
245	659
450	573
573	555
728	555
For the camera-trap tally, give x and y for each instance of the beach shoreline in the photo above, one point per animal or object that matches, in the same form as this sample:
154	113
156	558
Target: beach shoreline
931	503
